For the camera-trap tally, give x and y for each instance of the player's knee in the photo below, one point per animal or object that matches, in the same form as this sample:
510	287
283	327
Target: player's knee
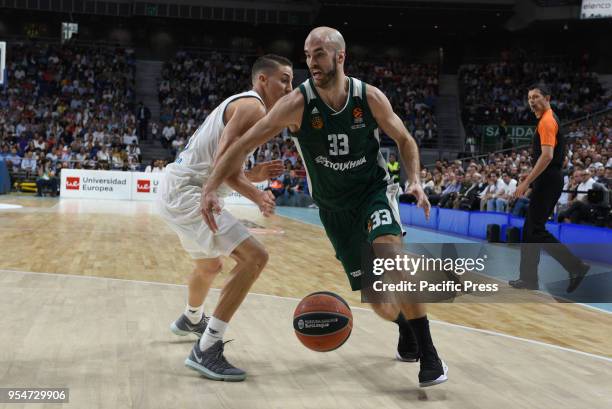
255	256
209	268
259	258
253	263
388	312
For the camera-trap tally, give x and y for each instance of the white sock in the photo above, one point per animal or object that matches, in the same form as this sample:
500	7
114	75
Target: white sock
214	332
194	314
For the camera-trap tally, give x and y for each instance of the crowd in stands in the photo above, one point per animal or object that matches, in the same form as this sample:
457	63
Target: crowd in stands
190	88
496	93
68	106
291	188
412	90
489	185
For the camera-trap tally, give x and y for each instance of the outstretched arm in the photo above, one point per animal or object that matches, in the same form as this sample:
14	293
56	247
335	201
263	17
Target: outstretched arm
393	126
287	112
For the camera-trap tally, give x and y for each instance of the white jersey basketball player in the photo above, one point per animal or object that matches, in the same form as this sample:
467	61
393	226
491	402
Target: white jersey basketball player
180	207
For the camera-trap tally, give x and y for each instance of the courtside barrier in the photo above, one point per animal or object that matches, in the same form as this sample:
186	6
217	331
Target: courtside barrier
418	218
117	185
592	242
479	221
454	221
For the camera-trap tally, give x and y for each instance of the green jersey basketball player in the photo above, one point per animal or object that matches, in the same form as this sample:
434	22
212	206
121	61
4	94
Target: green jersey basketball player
335	121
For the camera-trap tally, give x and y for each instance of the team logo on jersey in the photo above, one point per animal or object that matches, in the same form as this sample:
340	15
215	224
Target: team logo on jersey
358	118
340	166
317	122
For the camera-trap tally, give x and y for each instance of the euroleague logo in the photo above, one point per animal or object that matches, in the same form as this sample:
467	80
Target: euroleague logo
143	186
73	183
358	119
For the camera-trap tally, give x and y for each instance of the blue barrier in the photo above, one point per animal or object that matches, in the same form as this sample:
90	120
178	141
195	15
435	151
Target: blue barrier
578	233
405	211
418	217
554	229
453	221
513	221
516	221
5	180
479	220
589	242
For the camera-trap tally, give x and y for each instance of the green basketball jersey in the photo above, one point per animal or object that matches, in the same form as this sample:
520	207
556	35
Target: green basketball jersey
340	150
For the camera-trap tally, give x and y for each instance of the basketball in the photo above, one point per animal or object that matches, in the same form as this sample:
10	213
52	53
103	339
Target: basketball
322	321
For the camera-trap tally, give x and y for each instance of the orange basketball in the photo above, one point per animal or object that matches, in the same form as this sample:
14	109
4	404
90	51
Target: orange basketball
323	321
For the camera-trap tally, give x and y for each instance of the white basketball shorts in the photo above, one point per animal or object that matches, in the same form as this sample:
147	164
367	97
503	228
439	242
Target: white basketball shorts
179	206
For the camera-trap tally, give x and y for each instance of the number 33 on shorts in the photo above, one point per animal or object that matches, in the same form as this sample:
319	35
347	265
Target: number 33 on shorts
379	218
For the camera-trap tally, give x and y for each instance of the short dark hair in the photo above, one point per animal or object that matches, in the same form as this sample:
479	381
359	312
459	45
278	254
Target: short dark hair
268	63
544	90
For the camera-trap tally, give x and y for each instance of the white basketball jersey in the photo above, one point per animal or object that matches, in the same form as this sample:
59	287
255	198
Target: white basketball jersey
195	162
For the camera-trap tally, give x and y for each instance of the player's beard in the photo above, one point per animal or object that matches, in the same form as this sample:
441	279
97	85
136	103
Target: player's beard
328	77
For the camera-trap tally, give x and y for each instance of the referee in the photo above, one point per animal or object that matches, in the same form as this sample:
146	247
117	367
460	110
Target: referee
546	180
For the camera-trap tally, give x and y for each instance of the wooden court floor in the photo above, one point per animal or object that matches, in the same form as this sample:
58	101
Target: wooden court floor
99	335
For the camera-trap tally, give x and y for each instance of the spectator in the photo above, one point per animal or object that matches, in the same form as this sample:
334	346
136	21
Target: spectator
168	134
143	115
450	193
394	168
578	207
489	194
435	192
46	178
134	154
470	199
28	164
14	158
154	131
505	197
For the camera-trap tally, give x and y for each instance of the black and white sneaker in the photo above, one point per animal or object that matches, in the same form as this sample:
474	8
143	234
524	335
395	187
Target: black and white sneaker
407	346
433	371
182	326
212	364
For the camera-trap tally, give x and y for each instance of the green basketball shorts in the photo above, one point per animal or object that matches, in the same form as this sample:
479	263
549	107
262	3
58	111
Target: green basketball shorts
350	230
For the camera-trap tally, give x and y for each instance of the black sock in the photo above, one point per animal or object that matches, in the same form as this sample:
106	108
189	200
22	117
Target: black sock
407	340
420	327
401	321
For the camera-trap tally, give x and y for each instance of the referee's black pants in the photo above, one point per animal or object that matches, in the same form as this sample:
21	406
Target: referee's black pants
545	193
